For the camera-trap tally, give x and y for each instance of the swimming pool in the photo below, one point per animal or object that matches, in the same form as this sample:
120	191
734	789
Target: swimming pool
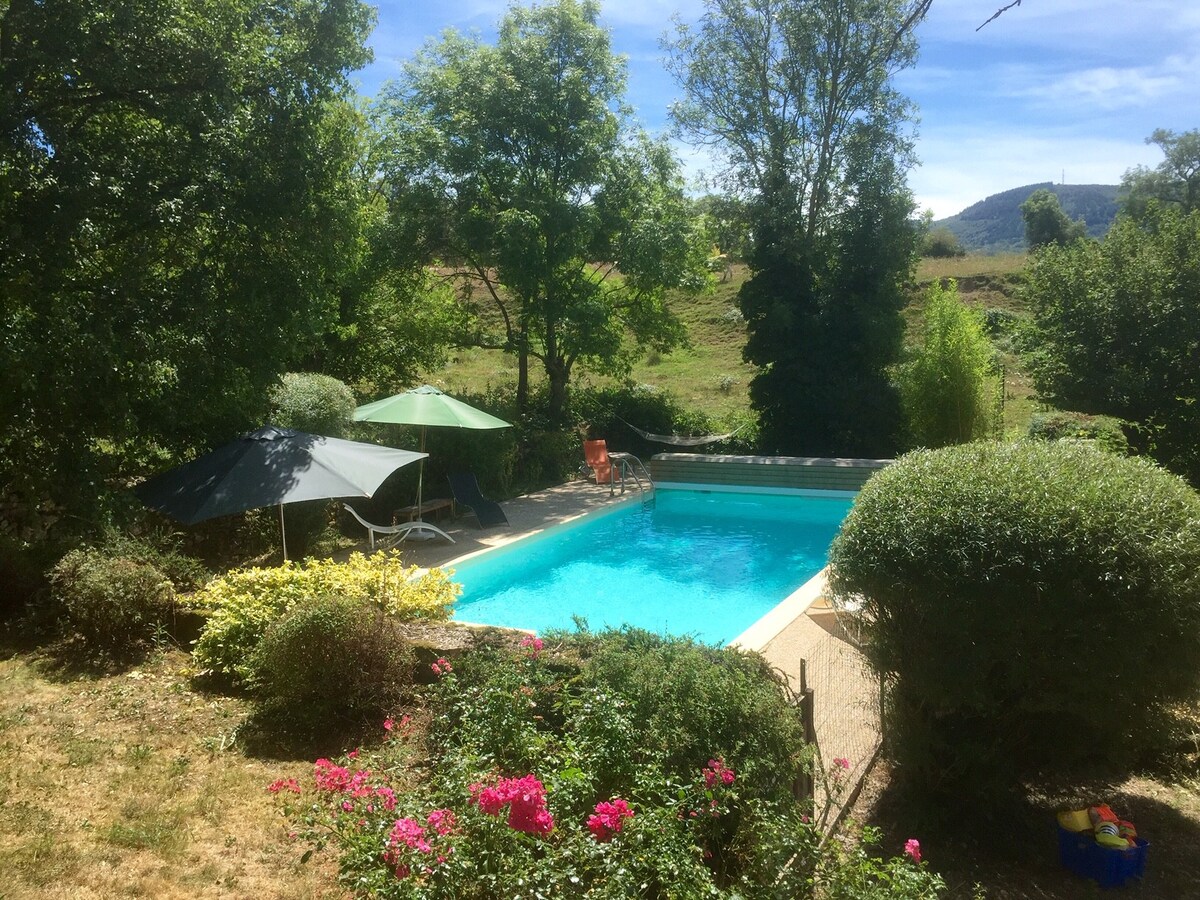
706	564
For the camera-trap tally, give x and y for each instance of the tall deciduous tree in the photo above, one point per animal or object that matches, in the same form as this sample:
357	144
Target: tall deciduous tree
1117	331
1046	223
798	98
1175	181
175	209
517	166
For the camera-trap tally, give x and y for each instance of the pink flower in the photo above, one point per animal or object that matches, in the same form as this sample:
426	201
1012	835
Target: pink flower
608	819
388	796
442	821
716	771
284	784
388	724
410	833
526	801
441	666
330	777
912	848
533	644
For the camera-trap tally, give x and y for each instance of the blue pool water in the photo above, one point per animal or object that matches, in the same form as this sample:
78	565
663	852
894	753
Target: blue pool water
698	563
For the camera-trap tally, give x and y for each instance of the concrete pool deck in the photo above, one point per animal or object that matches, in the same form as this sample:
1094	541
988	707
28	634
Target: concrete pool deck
796	638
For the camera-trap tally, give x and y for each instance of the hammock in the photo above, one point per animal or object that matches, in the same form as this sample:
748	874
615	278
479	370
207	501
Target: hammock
677	440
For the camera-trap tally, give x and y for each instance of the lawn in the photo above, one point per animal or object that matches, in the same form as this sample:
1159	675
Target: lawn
136	785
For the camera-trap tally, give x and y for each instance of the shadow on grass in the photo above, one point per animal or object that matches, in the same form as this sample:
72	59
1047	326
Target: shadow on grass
1010	848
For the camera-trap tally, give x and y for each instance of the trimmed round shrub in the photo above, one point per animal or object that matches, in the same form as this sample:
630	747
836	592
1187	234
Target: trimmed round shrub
317	404
116	604
314	403
1031	606
332	663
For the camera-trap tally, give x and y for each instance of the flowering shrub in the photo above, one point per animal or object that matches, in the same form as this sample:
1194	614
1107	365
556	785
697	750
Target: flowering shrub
856	874
243	603
486	818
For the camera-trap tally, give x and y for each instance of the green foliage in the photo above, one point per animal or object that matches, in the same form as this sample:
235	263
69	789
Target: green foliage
1115	331
689	701
516	165
330	662
176	200
1105	431
1046	223
317	404
798	98
1173	182
1031	606
117	604
856	874
314	403
947	384
395	320
941	242
244	603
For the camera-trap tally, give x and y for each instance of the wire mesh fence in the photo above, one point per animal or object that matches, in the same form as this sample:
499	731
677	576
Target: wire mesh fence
845	713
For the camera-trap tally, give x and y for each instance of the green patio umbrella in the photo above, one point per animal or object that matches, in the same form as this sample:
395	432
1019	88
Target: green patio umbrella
425	406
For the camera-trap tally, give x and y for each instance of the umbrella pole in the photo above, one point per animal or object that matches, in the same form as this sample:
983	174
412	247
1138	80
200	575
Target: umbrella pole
283	532
420	477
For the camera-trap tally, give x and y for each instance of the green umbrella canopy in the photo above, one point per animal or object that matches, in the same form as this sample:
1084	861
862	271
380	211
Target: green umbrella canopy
424	406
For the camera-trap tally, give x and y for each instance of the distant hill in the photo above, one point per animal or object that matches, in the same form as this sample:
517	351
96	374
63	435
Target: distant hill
995	225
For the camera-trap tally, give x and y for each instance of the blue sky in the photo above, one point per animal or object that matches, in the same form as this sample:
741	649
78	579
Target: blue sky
1052	89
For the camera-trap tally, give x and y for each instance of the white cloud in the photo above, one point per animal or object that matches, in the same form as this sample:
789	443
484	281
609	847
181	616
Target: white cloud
1106	88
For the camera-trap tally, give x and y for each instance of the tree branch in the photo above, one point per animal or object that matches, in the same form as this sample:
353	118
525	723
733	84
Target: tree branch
1001	11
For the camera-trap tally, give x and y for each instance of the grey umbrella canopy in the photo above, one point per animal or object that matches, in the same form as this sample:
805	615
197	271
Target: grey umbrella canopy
268	467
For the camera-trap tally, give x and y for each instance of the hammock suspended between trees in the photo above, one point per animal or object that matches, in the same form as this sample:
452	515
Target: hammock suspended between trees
677	440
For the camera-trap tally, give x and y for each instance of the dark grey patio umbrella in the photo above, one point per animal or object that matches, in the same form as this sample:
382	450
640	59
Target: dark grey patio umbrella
269	467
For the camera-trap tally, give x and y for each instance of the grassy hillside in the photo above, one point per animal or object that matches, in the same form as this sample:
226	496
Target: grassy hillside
710	375
995	225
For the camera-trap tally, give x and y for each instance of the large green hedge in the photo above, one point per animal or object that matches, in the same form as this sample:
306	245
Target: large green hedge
1031	606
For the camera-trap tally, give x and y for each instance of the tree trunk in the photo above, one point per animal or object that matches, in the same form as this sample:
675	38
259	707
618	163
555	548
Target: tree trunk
523	371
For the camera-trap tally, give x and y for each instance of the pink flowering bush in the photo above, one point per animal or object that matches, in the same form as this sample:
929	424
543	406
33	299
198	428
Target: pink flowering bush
526	777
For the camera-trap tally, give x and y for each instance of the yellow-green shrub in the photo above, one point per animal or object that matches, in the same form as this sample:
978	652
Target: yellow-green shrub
244	603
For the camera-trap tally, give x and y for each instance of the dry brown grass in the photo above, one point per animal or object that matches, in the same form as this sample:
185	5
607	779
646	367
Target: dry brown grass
133	785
